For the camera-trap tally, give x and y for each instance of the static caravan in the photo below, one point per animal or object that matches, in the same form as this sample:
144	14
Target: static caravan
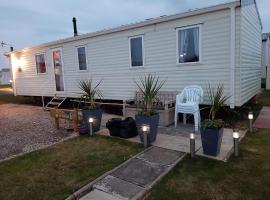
265	53
217	45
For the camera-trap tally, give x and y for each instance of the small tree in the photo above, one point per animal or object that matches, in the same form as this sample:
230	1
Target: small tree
150	86
89	92
217	101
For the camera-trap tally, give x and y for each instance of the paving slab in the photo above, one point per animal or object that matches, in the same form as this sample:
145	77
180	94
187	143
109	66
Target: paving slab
139	172
263	120
160	156
99	195
118	187
135	177
177	143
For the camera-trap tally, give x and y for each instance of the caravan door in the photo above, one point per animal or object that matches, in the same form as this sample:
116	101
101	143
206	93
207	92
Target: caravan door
58	70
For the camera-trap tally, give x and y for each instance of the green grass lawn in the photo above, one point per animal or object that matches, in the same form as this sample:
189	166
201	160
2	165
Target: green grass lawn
246	177
58	171
264	98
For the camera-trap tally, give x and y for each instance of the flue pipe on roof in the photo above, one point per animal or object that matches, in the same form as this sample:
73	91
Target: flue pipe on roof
75	26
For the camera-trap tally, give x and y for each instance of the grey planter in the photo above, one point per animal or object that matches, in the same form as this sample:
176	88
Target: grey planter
96	114
152	122
211	141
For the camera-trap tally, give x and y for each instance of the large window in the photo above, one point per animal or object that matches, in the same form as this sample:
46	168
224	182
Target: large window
188	44
40	63
82	58
136	51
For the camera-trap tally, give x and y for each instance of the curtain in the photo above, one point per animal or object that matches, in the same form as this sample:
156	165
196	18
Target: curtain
188	47
196	42
183	45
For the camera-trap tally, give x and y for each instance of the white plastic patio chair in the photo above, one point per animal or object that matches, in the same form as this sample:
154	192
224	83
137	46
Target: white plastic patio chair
188	103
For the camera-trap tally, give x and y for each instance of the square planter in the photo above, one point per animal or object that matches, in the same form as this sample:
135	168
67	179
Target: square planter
211	141
166	116
152	122
96	114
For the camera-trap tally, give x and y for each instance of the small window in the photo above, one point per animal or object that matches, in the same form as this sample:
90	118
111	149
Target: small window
188	45
136	51
40	63
82	58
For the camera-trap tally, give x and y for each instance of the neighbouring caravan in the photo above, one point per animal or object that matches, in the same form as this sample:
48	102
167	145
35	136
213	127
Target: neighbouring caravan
218	44
265	53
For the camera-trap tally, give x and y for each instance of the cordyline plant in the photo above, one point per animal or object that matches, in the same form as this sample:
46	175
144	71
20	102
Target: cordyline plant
149	86
217	101
89	92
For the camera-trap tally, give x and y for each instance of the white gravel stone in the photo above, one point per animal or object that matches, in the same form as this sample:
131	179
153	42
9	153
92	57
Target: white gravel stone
25	128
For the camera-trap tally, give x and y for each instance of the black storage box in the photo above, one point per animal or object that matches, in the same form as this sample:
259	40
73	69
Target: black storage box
122	128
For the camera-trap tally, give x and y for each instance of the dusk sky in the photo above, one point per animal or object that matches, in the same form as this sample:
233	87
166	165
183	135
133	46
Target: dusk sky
31	22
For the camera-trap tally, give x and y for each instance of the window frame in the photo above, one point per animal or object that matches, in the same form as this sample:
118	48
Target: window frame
143	54
86	58
200	44
38	54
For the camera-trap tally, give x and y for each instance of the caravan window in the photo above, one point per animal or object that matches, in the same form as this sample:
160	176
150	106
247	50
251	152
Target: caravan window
136	51
82	58
40	63
188	43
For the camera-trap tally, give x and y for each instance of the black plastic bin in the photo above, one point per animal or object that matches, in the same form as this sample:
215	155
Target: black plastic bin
122	128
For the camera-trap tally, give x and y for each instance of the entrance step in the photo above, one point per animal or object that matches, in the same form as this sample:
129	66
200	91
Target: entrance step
55	102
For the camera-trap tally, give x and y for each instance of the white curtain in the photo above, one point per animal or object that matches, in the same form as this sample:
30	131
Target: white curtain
196	41
183	45
188	45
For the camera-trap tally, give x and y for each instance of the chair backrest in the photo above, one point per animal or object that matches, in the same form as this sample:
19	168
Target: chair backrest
193	93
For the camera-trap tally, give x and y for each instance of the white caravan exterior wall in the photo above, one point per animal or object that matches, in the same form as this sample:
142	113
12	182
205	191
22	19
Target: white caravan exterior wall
265	56
250	48
108	59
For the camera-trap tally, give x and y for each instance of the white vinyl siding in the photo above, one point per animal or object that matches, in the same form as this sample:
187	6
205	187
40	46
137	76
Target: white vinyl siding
250	55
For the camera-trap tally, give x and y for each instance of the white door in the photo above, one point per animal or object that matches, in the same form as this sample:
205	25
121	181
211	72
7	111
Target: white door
58	70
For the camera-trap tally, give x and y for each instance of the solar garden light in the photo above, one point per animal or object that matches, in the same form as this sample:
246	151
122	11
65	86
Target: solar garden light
91	120
145	130
250	117
192	145
236	142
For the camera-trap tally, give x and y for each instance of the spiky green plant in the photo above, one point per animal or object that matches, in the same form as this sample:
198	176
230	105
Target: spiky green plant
89	92
150	86
217	100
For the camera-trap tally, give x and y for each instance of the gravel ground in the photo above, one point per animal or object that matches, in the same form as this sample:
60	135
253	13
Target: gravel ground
25	128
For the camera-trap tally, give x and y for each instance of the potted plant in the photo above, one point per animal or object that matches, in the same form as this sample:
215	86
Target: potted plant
212	128
149	86
90	108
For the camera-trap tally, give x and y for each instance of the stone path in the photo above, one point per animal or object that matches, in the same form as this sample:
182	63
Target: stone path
263	120
133	179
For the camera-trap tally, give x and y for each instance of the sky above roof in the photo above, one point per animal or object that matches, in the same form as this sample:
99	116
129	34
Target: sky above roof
31	22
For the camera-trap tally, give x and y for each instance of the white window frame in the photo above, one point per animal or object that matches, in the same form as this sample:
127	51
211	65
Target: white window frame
143	55
86	53
200	44
38	54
